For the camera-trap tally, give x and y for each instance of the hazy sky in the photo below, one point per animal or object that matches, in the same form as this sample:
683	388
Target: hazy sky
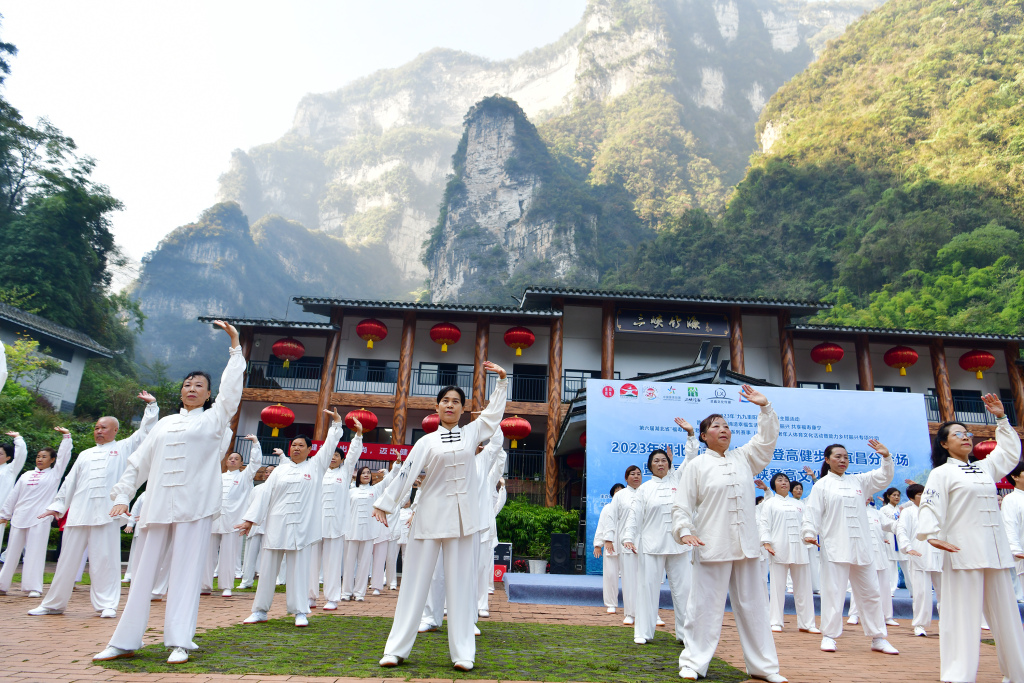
160	93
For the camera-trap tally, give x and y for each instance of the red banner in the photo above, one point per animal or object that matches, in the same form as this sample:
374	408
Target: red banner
372	451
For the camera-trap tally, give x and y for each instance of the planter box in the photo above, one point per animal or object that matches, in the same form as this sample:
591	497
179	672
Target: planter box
538	566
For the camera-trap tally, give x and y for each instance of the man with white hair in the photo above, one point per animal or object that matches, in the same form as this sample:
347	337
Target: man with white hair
84	495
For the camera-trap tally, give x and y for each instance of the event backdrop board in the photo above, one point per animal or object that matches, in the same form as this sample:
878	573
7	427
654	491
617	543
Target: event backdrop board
628	419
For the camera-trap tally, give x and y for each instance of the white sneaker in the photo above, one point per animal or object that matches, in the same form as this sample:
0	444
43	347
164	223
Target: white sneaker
427	628
113	653
627	621
330	606
376	592
244	585
44	611
891	622
156	597
35	594
659	622
853	621
813	629
393	587
476	630
226	593
919	631
464	666
359	598
828	644
882	645
390	660
108	613
772	678
686	673
776	628
179	655
610	610
301	620
256	618
640	641
483	613
312	604
346	598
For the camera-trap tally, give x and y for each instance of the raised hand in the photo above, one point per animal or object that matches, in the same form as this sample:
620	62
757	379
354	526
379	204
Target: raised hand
13	434
62	430
336	416
753	395
277	451
358	425
687	427
758	484
494	367
994	405
146	396
230	329
879	447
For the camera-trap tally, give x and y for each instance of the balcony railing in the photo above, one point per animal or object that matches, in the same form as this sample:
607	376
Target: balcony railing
429	382
372	381
525	464
244	447
526	388
968	410
297	377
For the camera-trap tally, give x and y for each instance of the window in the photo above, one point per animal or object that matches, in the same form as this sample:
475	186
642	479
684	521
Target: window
443	374
890	389
529	382
371	370
574	380
818	385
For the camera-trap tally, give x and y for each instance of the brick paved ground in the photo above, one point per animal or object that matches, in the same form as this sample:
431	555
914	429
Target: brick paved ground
61	648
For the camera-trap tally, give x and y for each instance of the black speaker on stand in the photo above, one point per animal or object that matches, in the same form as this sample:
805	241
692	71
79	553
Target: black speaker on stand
561	554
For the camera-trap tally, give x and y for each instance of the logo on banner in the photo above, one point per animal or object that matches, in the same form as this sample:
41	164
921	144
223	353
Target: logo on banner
629	391
651	394
671	394
608	391
499	572
692	392
720	397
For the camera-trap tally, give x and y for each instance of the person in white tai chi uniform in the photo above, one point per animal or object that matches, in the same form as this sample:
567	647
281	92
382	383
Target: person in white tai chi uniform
881	527
290	511
648	533
12	460
84	496
180	464
448	518
605	536
780	520
714	513
362	529
1013	517
336	485
629	561
25	509
926	563
489	466
836	512
896	558
254	540
225	543
959	514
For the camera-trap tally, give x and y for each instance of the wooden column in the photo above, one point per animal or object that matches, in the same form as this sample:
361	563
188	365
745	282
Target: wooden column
942	390
554	411
398	425
327	375
245	338
608	340
787	352
483	335
736	341
864	371
1012	353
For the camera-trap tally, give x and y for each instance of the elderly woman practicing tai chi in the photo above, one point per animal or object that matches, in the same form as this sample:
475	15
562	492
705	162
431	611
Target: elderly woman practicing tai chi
448	519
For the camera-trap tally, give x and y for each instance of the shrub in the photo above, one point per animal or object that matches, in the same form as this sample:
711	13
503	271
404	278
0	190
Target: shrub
529	527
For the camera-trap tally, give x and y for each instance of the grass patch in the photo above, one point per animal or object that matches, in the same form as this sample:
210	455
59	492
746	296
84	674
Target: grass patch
336	645
48	579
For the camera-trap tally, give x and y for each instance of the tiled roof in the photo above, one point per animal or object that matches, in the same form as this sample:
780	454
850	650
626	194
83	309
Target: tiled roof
923	334
318	304
48	328
546	293
269	322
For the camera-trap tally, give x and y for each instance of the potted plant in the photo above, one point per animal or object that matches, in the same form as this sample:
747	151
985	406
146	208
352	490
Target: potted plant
539	550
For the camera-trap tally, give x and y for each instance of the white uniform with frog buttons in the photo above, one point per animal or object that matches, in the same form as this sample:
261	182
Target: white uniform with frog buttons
224	540
715	502
960	506
9	472
180	464
448	517
489	464
629	562
362	531
927	569
336	486
881	529
779	524
605	533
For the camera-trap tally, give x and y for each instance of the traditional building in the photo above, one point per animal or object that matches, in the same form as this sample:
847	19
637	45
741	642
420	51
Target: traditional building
392	357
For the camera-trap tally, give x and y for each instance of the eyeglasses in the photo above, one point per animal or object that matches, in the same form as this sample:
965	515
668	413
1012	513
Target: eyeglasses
963	435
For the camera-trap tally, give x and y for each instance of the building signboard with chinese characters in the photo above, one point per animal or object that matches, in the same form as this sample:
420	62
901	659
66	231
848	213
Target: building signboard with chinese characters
627	419
372	451
671	322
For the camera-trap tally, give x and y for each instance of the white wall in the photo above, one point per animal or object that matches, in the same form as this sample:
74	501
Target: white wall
57	388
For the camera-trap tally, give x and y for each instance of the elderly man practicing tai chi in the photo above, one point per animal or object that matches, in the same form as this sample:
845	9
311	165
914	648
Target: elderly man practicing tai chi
84	496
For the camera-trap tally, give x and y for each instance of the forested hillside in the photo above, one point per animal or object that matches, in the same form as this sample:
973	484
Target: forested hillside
889	181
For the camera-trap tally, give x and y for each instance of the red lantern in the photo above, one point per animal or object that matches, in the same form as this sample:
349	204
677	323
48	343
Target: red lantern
575	460
371	330
277	417
515	428
583	439
977	361
983	449
430	422
288	349
901	357
826	354
365	417
519	338
445	334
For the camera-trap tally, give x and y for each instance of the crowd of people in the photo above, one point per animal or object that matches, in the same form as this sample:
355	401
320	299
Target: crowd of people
697	521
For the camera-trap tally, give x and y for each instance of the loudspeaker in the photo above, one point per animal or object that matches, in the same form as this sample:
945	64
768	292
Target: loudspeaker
561	555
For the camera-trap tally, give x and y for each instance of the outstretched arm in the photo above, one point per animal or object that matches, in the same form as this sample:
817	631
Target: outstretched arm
761	447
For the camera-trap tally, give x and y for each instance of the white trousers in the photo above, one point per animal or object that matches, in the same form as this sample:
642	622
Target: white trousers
894	575
922	596
629	565
221	559
433	608
884	596
162	580
391	566
358	555
380	560
104	542
33	541
802	597
252	555
705	610
314	570
968	593
460	563
863	580
610	579
187	543
652	568
332	554
485	576
296	580
815	565
132	558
